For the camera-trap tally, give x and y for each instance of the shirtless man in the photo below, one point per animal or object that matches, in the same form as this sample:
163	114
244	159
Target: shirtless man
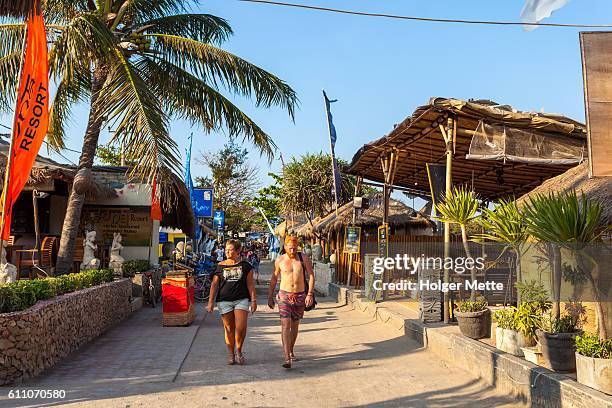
293	295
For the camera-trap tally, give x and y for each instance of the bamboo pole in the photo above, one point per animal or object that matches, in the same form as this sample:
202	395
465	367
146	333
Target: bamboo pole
448	138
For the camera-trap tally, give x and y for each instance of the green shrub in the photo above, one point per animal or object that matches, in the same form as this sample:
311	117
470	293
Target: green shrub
23	294
472	306
570	322
589	345
130	268
506	318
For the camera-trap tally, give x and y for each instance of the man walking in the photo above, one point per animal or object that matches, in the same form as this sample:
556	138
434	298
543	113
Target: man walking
294	294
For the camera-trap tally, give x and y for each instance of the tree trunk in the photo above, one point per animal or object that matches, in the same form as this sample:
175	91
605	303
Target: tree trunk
76	199
468	254
556	270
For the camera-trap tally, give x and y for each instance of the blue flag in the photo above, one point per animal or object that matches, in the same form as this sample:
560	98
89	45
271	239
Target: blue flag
332	138
189	184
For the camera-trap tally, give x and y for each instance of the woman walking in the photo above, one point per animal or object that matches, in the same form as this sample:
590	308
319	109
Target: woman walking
235	297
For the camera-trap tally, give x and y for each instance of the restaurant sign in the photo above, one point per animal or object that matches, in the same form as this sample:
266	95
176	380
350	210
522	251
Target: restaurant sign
133	223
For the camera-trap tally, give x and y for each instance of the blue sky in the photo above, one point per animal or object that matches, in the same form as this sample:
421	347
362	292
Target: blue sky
380	69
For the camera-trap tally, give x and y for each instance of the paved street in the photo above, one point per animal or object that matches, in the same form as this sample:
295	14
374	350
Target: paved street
348	360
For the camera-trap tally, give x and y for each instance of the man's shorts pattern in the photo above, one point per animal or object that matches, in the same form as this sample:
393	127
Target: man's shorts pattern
291	304
229	306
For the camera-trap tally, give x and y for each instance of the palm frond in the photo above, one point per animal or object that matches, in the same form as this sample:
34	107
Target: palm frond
199	27
85	32
187	97
9	80
69	91
215	65
63	11
11	38
145	10
141	126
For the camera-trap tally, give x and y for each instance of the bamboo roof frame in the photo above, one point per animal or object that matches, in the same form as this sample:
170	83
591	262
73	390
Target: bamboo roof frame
419	140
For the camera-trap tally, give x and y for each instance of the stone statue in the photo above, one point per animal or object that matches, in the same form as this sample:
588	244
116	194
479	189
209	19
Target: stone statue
89	248
116	260
8	272
317	252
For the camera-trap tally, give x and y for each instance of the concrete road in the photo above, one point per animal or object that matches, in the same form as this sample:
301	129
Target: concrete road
348	360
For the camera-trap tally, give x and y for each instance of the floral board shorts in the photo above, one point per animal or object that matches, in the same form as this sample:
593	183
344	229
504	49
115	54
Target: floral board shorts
291	304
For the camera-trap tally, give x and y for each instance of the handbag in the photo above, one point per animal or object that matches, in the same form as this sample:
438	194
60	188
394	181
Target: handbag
314	300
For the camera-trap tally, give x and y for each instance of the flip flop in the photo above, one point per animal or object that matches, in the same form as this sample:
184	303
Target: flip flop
231	359
294	358
240	358
287	364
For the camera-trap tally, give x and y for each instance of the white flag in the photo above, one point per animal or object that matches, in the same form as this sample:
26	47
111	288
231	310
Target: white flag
535	11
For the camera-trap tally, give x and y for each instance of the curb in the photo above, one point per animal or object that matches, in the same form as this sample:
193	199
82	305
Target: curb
530	384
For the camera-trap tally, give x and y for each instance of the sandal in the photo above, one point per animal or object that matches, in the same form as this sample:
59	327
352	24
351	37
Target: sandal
240	358
231	359
293	357
287	364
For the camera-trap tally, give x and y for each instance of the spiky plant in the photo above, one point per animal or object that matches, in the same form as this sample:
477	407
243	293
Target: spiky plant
460	207
564	220
138	64
506	225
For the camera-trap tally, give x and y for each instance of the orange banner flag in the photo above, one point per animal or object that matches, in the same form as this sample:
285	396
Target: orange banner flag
31	116
156	211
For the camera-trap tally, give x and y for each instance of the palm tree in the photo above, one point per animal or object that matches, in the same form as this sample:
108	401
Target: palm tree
565	221
505	225
460	207
138	64
16	8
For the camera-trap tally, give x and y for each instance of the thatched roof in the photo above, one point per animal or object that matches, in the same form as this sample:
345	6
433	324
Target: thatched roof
399	215
290	226
577	178
45	170
418	140
176	203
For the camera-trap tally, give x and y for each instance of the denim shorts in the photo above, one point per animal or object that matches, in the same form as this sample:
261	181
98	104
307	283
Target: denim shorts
229	306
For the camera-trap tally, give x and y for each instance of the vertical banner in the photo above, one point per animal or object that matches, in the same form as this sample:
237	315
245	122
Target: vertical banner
597	74
31	117
332	141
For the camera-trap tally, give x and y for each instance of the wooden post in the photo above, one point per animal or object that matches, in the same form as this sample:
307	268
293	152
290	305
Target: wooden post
389	167
449	137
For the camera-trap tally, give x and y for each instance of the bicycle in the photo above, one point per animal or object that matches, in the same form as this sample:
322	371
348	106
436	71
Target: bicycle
203	272
151	293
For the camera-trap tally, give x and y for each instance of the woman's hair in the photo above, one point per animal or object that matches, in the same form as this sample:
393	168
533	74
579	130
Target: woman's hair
235	243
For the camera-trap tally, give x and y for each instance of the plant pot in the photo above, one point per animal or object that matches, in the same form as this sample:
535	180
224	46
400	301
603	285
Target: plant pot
511	341
558	350
475	325
594	372
533	355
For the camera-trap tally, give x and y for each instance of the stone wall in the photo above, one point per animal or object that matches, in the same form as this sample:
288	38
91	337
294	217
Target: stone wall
35	339
323	277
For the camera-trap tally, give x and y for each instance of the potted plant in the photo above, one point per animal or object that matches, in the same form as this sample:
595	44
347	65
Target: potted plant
558	337
594	362
474	318
508	338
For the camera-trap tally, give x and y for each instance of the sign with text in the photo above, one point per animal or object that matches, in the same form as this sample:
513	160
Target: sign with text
204	200
352	240
133	223
383	232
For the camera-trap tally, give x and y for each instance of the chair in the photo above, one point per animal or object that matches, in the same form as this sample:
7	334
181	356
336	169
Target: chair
48	254
77	255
